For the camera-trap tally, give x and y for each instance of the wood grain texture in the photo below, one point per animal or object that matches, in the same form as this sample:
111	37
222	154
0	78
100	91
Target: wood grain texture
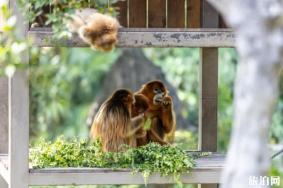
207	170
19	114
121	7
176	14
208	88
4	115
138	38
156	13
194	13
208	100
208	85
210	17
137	13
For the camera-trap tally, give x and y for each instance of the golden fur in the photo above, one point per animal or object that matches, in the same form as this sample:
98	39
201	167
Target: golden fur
96	29
161	113
113	124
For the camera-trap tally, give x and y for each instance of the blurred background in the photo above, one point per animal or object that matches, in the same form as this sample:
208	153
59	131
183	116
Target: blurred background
67	85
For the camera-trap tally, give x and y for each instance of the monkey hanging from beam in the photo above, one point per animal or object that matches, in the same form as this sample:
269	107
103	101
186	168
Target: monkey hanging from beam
98	30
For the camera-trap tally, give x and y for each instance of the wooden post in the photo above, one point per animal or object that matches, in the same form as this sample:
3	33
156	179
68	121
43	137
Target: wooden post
3	115
208	88
19	114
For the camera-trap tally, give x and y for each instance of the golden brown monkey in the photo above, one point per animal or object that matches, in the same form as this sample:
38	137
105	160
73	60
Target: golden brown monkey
160	112
113	124
96	29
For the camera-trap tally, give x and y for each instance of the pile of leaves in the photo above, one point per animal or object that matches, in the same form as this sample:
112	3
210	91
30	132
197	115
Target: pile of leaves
166	160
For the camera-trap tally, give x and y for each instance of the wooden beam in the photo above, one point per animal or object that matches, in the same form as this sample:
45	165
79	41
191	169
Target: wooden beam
19	114
122	9
156	13
208	88
208	100
137	13
210	17
139	38
207	170
3	115
118	178
193	13
176	13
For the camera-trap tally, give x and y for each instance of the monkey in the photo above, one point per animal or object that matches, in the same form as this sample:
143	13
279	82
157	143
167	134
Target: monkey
96	29
113	124
161	113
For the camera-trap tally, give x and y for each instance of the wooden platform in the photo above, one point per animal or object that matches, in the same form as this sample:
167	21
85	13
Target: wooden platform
147	37
207	170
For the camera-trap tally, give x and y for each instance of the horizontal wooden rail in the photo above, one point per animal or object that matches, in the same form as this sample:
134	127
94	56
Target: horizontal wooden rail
207	170
152	37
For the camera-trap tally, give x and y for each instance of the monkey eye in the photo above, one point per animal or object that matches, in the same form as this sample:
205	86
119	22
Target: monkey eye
157	90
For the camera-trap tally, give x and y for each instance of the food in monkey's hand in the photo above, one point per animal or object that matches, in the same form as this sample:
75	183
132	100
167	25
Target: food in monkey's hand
98	30
160	112
113	124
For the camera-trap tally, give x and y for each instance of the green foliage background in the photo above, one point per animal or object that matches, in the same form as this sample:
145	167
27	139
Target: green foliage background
64	83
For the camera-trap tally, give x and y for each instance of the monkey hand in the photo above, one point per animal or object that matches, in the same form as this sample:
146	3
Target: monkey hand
157	99
167	102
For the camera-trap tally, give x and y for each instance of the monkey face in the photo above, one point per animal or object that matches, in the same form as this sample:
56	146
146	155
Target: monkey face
155	91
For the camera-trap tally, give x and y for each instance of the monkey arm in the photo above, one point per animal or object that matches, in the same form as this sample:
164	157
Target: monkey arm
156	138
168	115
136	125
153	132
168	120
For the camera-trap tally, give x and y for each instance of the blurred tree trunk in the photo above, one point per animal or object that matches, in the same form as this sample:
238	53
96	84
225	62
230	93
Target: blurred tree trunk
131	70
3	115
258	25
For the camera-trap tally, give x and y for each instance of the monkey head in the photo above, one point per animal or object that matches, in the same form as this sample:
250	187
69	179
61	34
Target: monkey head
100	32
140	105
122	98
154	91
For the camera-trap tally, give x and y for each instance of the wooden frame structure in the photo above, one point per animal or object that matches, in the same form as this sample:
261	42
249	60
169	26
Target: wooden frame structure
14	166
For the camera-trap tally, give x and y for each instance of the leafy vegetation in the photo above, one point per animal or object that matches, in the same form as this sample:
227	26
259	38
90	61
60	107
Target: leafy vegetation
166	160
12	45
63	84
